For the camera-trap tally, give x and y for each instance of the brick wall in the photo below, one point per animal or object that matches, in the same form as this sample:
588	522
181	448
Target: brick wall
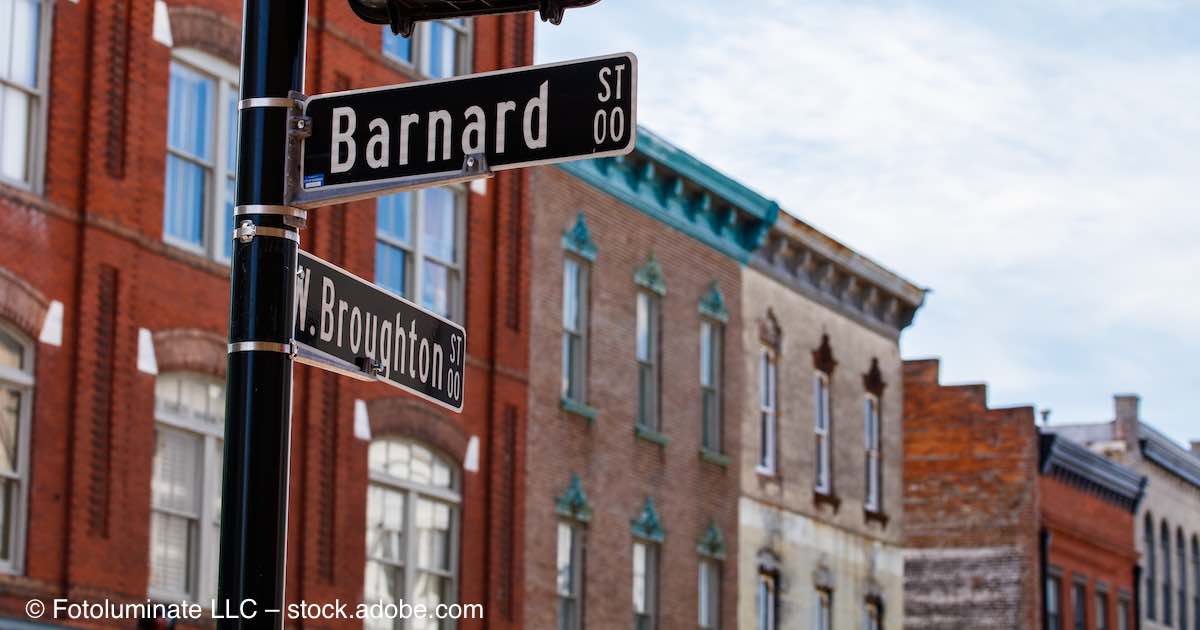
619	470
91	238
970	502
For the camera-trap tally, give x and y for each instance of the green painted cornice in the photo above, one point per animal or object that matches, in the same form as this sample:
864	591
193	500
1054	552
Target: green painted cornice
578	239
670	185
574	503
712	304
647	525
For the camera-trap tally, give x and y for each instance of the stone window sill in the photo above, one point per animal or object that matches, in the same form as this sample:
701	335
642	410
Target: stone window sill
579	409
713	457
825	498
873	516
651	435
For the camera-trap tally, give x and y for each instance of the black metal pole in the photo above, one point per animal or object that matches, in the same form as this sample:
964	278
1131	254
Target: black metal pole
261	314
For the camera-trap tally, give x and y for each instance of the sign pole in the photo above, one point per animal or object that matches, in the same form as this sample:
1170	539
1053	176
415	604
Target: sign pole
254	496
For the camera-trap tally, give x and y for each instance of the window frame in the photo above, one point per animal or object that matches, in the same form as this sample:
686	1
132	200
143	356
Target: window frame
1079	604
1164	542
766	601
579	367
649	369
1151	567
412	491
1103	607
1123	613
417	252
872	443
38	131
202	566
708	591
1196	581
712	429
1052	606
650	584
213	235
822	433
24	381
823	609
419	44
872	614
768	411
578	534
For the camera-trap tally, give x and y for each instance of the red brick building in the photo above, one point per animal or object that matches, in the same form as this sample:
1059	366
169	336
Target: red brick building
114	221
1007	527
634	432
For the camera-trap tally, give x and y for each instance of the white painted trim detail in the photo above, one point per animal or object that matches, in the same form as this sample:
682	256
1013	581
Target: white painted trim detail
52	325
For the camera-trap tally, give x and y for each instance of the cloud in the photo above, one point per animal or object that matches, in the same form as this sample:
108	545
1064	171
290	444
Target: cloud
1044	186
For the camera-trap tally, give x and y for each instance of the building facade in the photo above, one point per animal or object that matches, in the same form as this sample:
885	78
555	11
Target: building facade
1168	519
1007	526
820	518
634	440
117	139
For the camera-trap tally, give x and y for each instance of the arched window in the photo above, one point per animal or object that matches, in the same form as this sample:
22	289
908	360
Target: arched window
1150	568
16	402
1181	561
185	486
198	197
413	501
1196	582
1164	542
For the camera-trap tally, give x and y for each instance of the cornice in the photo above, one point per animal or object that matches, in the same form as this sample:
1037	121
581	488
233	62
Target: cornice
1076	464
670	185
1165	453
827	271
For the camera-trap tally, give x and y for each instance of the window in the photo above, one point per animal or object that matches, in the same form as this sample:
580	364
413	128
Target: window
185	487
570	576
767	411
202	120
419	247
645	585
709	588
765	604
16	407
1079	605
412	528
871	433
23	55
647	360
712	335
1053	603
437	49
1123	614
1101	611
824	483
824	610
1196	582
872	616
1148	546
1181	562
1164	541
575	328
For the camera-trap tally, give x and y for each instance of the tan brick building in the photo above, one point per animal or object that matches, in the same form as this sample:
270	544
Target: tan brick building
820	517
636	391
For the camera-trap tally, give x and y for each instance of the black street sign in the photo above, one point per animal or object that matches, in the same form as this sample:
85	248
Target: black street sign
351	326
509	118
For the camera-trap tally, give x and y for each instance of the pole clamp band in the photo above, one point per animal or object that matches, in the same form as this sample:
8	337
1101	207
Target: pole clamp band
247	231
266	101
260	346
286	211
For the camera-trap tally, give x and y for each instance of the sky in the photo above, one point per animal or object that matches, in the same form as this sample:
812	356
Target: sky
1035	163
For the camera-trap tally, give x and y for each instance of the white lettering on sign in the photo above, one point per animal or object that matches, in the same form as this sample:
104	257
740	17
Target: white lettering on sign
440	130
609	123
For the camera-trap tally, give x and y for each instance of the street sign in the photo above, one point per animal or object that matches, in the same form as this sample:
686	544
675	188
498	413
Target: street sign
350	326
369	142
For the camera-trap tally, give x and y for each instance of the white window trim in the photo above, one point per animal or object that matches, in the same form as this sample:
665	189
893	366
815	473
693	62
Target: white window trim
204	564
419	45
35	156
213	233
653	363
411	491
821	407
873	453
714	597
417	252
650	580
577	576
769	466
766	602
823	609
22	380
583	286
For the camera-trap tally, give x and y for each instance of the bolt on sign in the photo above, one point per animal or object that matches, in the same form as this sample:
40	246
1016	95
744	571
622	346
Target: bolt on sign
348	325
506	119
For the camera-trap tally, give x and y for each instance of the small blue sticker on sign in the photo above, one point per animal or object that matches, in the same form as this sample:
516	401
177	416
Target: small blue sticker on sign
314	181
